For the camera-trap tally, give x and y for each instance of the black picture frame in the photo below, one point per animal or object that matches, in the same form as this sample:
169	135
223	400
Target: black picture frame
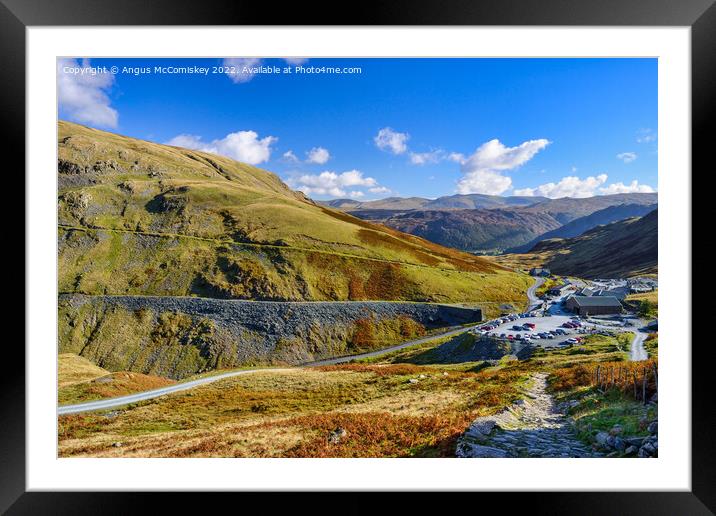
700	15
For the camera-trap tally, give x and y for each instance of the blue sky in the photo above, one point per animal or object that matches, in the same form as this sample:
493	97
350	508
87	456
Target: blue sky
407	127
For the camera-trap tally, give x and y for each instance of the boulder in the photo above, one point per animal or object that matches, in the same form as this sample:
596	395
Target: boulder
337	435
484	452
619	443
601	438
484	426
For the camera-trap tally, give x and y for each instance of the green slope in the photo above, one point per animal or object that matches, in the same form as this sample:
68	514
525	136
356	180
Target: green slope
625	248
140	218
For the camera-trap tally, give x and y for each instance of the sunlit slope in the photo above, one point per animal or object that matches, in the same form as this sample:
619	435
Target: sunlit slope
624	248
142	218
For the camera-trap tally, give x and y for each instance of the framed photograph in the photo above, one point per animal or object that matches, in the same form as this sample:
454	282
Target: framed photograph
424	249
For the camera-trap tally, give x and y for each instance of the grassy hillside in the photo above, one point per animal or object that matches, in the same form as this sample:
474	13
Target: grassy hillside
647	303
141	218
582	224
412	403
73	369
625	248
109	385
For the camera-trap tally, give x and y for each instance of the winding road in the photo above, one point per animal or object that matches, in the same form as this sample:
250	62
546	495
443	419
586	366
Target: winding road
183	386
637	351
532	299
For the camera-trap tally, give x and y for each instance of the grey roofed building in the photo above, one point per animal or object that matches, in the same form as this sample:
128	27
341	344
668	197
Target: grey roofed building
594	305
539	271
618	292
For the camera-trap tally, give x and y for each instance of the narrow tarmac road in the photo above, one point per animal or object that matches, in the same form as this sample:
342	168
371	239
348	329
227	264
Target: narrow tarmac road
637	351
155	393
532	298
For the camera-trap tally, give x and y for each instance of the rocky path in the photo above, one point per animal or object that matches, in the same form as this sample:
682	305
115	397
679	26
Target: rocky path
531	427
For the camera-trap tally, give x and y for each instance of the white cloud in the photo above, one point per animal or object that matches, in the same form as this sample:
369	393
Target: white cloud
356	193
239	69
421	158
570	186
391	141
379	190
290	157
457	157
245	146
331	183
296	60
318	155
83	96
485	182
645	136
633	187
483	169
626	157
188	141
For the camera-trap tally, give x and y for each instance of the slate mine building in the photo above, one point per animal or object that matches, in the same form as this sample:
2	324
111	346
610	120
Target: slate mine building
594	305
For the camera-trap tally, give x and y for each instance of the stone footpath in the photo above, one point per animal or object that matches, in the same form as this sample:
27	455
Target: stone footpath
531	427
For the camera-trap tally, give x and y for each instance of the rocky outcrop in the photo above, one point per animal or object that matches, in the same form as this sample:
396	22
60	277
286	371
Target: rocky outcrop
180	336
615	444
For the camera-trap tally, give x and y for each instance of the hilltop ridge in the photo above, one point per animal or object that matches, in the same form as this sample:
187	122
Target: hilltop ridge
140	218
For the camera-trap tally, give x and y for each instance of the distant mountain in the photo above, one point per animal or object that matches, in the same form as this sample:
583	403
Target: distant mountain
389	203
508	227
567	209
449	202
625	248
470	230
480	201
582	224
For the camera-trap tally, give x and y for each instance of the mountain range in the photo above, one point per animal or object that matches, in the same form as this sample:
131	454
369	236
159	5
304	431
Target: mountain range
490	224
449	202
